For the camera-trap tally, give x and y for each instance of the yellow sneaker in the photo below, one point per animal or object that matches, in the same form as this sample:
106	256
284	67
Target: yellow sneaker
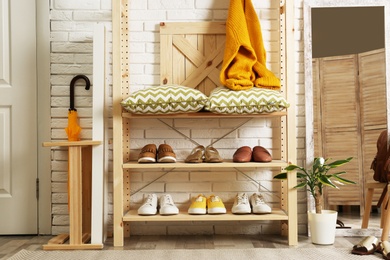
198	206
215	205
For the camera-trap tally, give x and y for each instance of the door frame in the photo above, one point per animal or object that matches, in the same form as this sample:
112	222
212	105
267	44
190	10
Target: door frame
43	115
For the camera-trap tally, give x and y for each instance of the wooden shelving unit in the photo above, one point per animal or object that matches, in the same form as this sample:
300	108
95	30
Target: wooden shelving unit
287	214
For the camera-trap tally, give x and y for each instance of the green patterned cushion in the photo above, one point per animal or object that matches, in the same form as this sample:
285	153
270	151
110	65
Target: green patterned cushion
252	101
167	99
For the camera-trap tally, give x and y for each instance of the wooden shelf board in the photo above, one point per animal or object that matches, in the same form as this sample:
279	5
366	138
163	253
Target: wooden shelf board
225	164
71	143
277	214
202	115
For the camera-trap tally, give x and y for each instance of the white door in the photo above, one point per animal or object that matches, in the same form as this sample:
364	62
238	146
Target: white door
18	118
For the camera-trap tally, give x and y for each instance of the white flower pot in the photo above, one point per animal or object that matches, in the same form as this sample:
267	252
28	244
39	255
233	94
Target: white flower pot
322	226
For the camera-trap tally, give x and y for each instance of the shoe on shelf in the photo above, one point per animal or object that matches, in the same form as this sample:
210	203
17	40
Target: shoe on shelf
215	205
196	155
260	154
198	206
211	155
165	154
258	204
243	154
150	206
241	204
148	154
167	206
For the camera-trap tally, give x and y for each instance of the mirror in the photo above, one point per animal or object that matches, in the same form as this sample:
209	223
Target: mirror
345	90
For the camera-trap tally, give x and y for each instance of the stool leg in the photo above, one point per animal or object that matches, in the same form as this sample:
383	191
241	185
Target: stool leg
384	210
367	207
385	217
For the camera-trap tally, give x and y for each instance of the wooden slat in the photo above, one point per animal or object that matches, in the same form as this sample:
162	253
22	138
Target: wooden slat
192	53
192	28
372	81
204	69
166	58
75	197
86	189
59	239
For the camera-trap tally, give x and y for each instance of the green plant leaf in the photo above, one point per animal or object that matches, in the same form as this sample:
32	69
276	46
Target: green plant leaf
281	176
326	181
300	185
343	180
339	162
301	175
292	167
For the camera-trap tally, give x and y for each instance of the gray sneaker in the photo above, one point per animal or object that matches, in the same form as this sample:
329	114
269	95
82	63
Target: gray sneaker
167	206
258	204
150	205
241	204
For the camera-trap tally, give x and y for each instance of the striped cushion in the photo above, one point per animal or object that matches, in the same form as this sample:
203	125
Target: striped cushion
252	101
167	99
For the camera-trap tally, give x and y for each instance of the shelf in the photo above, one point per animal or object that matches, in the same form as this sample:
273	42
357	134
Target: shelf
202	115
277	214
225	164
71	143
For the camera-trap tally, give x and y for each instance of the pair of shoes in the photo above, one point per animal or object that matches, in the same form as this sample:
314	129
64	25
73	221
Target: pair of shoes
165	204
164	154
245	154
256	204
369	245
211	205
200	154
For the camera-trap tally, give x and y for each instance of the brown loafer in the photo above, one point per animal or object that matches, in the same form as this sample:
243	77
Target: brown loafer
196	155
165	154
148	154
243	154
211	155
260	154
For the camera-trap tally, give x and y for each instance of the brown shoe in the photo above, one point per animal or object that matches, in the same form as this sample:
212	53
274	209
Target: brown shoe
211	155
148	154
260	154
165	154
243	154
196	155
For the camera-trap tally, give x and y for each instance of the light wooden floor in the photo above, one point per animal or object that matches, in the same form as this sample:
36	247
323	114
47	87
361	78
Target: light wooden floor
345	238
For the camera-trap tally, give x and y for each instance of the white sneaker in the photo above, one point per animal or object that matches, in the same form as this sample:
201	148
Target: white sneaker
241	204
167	206
258	204
150	205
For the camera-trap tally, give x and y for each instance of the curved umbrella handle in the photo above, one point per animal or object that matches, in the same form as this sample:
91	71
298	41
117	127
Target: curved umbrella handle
72	83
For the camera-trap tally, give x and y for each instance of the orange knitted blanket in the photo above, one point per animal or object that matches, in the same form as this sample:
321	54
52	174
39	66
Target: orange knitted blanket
244	63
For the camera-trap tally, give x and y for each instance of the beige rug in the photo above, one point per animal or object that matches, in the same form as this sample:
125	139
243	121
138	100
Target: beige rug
198	254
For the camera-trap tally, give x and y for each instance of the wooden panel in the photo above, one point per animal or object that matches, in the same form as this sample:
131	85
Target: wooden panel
338	92
373	88
339	146
189	57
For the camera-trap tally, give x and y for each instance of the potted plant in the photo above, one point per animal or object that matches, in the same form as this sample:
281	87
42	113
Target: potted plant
315	179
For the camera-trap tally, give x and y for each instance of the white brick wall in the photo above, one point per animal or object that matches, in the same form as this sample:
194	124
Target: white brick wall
72	24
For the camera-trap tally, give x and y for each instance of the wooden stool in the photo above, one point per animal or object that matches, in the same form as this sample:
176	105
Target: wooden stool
385	213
